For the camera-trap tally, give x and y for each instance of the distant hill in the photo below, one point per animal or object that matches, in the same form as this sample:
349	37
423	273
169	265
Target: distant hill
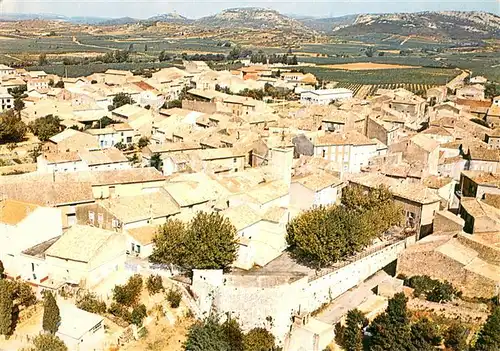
170	18
118	21
251	17
328	25
454	25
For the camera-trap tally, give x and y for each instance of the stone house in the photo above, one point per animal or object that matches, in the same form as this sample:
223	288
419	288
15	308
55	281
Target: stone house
23	225
86	255
315	190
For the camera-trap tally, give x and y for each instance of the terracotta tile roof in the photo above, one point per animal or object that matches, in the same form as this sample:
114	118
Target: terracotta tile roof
346	138
318	181
483	154
12	211
435	182
130	209
242	216
143	235
81	243
61	157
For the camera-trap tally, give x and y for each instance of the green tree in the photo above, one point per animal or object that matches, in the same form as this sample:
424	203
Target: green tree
138	314
104	122
59	84
154	284
324	235
51	83
122	99
46	127
390	331
48	342
90	303
12	128
2	269
258	339
42	59
352	334
207	242
425	335
18	104
233	334
6	305
455	337
51	315
206	335
174	297
128	294
489	336
491	90
22	293
143	142
156	161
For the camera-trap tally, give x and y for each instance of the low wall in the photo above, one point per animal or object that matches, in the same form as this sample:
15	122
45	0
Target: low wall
272	305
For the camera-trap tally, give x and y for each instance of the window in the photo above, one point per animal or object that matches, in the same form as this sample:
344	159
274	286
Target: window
91	217
100	218
324	153
410	219
234	160
129	139
115	223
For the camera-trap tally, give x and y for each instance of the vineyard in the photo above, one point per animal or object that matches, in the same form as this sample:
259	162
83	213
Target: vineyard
363	91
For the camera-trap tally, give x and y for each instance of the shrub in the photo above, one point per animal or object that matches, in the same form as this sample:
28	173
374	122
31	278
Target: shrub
154	284
90	303
432	289
120	311
138	314
143	142
174	297
128	294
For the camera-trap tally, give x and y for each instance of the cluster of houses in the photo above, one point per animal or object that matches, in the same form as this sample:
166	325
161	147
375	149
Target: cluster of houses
91	206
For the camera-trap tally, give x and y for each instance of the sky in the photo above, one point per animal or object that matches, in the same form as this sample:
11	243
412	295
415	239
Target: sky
199	8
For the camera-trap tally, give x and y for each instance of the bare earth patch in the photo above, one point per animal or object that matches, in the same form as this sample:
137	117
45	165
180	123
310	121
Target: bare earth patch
365	66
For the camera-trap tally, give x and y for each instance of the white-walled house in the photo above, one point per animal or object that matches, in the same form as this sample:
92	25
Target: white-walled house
325	96
350	150
261	236
6	101
85	255
22	226
108	137
315	190
80	330
91	160
140	240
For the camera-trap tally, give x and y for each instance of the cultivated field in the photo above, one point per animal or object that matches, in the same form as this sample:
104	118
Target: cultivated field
366	66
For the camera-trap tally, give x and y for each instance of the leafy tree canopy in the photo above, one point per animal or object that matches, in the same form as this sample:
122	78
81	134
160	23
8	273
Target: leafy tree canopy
51	315
48	342
489	336
207	242
46	127
12	128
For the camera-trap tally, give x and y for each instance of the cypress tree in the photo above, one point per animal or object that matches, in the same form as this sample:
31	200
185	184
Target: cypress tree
6	305
51	316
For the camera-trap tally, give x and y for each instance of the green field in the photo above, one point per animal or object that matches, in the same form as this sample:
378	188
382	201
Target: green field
438	67
430	76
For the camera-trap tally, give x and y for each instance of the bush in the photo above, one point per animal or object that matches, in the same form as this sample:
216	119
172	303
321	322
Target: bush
120	311
174	297
432	289
129	293
143	142
90	303
154	284
138	314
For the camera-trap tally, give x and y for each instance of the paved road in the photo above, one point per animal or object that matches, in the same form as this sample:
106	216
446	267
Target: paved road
351	299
